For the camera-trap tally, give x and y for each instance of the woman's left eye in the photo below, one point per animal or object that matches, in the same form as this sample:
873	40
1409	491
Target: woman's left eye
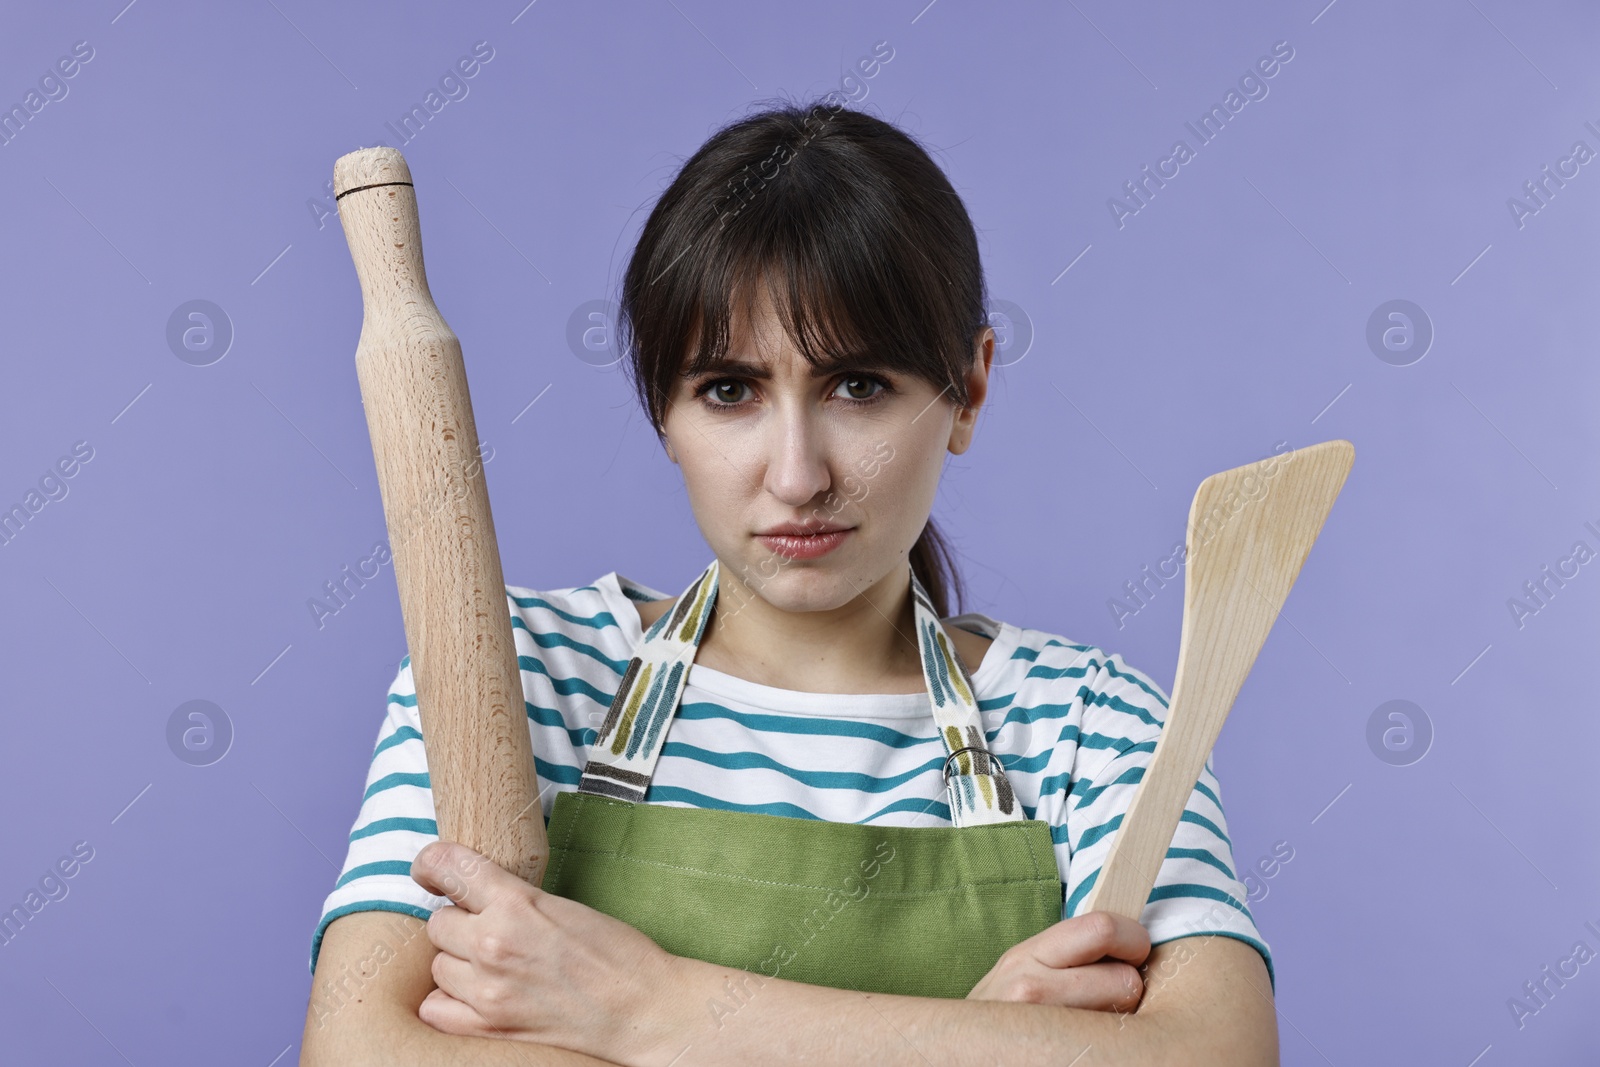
869	380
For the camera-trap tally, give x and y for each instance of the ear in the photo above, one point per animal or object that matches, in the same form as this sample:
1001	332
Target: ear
670	456
966	420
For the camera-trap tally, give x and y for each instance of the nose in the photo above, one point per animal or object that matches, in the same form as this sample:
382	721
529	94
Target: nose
797	457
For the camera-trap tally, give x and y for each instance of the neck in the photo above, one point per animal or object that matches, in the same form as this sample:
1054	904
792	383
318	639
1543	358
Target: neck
866	645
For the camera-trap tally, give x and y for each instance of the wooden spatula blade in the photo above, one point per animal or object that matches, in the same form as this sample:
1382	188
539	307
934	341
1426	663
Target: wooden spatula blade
1250	530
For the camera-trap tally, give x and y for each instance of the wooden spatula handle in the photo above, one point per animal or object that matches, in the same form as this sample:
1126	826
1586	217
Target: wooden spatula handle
1250	530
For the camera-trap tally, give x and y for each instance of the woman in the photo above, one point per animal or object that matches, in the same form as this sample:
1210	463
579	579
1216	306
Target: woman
777	819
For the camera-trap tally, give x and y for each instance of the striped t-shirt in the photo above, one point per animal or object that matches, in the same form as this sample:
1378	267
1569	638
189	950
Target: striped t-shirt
1073	726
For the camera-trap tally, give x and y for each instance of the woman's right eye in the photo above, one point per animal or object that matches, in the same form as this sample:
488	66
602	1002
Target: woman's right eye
718	388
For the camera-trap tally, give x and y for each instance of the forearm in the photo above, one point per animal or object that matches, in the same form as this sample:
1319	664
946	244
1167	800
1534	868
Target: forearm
399	1040
423	1046
732	1017
375	972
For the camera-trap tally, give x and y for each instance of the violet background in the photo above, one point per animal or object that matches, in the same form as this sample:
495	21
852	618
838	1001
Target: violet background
1228	315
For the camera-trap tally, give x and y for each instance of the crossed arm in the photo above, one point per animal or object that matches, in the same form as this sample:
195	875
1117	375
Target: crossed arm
1206	1001
519	977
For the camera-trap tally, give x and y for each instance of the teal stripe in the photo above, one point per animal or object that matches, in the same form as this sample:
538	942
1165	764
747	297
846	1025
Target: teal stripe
1092	741
541	715
1088	792
550	772
804	724
1095	833
1089	837
1193	889
1201	854
1201	820
360	905
1116	703
1038	716
864	783
760	722
1094	664
557	772
1097	664
400	867
566	686
555	639
996	703
1160	892
1023	765
1031	652
383	826
1095	741
1075	671
1136	680
405	733
551	717
389	781
598	621
935	810
1064	782
1069	908
1084	786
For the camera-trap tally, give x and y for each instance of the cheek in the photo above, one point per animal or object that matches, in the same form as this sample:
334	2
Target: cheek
891	472
721	483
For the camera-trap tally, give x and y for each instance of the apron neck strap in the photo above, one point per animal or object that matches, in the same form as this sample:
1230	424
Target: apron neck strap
622	758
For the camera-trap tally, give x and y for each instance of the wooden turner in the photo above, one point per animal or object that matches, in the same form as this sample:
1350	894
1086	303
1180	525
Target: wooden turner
1246	545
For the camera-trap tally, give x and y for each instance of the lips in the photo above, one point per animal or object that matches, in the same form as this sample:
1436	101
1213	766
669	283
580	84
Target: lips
805	546
801	529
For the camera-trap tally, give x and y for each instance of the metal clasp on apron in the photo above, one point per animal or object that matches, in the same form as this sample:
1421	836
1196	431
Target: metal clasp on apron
957	752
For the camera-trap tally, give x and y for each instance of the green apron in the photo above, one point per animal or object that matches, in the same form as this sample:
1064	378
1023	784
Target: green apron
920	911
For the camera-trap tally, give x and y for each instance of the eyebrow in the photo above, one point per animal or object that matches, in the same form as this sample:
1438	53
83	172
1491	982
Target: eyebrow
829	366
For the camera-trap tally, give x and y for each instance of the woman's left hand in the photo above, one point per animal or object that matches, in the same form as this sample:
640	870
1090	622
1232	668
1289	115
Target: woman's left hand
517	962
1089	961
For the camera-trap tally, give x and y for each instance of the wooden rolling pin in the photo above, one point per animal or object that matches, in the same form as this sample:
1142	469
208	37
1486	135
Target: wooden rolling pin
441	533
1250	530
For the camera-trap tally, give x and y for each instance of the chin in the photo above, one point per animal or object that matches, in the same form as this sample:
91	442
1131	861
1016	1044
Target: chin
819	584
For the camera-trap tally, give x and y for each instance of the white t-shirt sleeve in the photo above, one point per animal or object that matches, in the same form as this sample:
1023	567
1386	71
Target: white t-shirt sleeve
1196	891
396	821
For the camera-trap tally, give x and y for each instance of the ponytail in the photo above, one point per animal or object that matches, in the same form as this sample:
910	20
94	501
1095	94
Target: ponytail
934	565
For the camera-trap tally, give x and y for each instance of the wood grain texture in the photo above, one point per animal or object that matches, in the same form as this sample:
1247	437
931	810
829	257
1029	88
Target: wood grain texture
1250	530
441	532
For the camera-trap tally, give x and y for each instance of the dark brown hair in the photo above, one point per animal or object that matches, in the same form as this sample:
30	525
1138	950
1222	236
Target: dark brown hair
862	241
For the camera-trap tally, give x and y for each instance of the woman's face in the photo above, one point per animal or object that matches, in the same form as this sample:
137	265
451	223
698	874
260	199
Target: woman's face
778	442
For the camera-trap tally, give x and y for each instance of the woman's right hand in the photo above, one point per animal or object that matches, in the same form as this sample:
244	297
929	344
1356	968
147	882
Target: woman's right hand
1088	961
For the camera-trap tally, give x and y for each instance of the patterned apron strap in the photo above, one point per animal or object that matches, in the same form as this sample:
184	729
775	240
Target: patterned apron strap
623	757
975	783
